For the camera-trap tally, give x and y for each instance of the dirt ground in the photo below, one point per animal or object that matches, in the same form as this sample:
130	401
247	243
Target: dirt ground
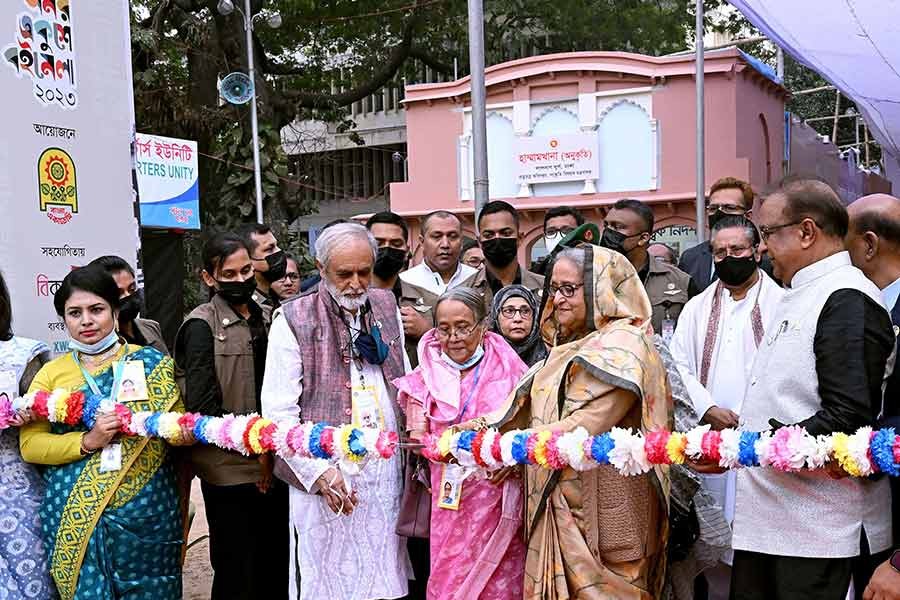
197	575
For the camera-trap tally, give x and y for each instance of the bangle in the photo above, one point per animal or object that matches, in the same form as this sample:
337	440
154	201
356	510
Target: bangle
85	451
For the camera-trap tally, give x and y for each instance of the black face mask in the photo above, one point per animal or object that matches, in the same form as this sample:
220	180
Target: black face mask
236	292
734	271
500	251
277	266
131	306
389	261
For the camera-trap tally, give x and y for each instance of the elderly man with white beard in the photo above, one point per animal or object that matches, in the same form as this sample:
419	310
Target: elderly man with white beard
329	358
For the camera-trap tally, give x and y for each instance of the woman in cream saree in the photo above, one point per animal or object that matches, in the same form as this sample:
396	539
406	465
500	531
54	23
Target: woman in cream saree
594	534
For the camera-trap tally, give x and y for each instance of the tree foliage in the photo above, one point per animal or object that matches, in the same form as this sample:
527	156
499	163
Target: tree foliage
328	54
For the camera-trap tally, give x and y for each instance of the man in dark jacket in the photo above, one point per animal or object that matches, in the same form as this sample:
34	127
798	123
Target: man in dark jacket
727	196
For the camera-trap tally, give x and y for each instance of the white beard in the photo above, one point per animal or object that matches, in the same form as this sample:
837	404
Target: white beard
349	303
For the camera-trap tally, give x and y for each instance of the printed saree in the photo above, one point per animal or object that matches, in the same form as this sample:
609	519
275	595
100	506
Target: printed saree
596	534
117	534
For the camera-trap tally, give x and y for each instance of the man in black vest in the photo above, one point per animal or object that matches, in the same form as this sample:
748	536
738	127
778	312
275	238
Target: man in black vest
874	244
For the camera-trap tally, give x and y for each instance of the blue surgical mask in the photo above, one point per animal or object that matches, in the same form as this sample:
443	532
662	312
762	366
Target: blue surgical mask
473	360
97	347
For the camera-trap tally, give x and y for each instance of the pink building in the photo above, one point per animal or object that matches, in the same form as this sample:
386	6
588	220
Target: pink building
588	128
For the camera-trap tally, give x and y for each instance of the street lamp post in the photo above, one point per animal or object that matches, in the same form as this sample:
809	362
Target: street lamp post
226	7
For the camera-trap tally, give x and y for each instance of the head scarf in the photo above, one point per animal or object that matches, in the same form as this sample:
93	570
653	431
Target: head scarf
531	350
613	293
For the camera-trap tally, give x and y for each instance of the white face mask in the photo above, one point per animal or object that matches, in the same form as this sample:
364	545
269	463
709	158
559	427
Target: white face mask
550	241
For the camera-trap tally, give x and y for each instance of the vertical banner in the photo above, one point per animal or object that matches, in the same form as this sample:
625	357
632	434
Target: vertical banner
168	182
66	129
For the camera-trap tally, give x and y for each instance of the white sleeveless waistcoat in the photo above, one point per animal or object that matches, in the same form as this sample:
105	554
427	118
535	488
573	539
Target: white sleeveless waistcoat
804	514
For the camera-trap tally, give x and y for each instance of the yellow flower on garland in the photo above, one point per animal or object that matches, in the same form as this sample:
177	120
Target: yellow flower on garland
253	436
540	447
444	442
675	447
842	454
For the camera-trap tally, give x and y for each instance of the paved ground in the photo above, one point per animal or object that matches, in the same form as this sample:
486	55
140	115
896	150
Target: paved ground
197	576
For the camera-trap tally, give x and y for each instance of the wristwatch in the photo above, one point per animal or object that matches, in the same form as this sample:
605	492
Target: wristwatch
895	560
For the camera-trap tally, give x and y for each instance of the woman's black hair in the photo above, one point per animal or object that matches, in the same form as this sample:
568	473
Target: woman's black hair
6	333
92	279
218	248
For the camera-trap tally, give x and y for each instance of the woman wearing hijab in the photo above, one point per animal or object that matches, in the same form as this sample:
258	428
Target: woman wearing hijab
514	315
477	550
594	534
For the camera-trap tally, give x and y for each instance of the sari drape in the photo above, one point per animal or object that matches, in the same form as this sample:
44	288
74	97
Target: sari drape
477	552
117	534
596	534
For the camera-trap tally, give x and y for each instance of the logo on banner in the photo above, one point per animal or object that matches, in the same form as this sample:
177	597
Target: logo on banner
57	185
42	51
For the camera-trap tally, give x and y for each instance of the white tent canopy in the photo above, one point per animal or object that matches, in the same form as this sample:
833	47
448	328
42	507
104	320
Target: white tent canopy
854	44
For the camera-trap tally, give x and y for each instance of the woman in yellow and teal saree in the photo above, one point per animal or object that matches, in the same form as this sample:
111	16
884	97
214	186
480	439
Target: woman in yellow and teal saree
110	514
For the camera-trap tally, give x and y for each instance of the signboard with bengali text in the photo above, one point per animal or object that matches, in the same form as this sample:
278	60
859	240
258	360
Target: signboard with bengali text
66	191
564	157
168	182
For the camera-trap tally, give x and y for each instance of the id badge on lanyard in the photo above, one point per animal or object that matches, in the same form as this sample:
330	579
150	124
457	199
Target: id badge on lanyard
111	455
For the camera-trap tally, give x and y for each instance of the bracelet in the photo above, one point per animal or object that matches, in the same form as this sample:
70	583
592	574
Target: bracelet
84	451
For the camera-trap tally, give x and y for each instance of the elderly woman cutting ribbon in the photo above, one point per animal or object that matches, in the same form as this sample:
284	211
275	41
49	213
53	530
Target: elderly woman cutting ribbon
594	534
466	372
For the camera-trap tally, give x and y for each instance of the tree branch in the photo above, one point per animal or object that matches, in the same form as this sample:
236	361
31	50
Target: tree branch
380	77
431	61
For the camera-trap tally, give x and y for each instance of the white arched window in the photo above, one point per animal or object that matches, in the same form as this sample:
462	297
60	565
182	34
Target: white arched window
627	142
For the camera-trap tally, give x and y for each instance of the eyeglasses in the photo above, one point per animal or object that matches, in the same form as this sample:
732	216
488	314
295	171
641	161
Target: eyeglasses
566	289
728	209
551	231
510	311
722	253
292	277
765	232
458	332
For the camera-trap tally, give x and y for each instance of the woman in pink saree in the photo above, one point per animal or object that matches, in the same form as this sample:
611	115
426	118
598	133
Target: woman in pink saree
464	372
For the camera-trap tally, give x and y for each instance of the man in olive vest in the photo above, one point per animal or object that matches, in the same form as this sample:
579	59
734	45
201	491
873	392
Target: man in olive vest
331	357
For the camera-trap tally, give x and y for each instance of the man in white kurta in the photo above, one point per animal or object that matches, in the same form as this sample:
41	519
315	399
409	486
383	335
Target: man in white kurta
343	525
715	343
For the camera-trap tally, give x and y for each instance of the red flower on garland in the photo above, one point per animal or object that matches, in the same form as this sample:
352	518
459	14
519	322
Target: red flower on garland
74	408
326	440
246	436
40	404
265	437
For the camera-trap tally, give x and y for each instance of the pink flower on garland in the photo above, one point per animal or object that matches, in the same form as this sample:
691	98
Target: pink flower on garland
655	447
710	445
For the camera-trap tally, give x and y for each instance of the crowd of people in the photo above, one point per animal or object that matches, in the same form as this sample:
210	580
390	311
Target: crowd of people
786	316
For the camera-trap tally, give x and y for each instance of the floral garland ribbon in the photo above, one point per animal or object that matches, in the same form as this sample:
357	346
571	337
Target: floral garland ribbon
250	434
788	449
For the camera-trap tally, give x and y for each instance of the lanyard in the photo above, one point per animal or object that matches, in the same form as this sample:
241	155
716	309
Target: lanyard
471	393
118	368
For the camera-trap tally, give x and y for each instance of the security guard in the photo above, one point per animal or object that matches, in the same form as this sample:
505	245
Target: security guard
627	229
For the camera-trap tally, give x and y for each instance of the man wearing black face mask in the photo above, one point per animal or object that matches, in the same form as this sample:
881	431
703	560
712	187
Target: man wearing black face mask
627	229
392	235
135	330
499	236
718	335
269	263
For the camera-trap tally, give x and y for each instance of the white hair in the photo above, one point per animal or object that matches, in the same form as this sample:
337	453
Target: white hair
340	235
573	255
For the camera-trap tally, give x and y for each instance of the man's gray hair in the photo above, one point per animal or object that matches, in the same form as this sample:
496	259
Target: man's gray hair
468	296
574	255
339	235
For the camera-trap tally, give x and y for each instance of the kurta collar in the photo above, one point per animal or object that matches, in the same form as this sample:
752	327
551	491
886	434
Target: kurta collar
819	269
